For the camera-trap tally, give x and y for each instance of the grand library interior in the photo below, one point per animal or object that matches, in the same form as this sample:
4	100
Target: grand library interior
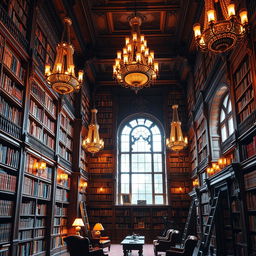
127	127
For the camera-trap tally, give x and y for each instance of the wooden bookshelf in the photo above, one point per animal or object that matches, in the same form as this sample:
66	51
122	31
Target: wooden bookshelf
66	135
60	222
36	196
244	90
192	149
42	115
201	139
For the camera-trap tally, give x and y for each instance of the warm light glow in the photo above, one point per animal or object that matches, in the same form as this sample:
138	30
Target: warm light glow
98	227
134	36
119	55
93	143
78	222
231	10
62	78
117	62
195	183
156	68
101	189
176	141
197	30
211	15
80	76
47	69
136	68
243	16
63	177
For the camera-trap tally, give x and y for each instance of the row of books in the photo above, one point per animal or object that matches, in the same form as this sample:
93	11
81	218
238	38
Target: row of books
39	232
61	195
59	221
7	181
101	165
6	207
5	232
106	158
36	188
66	139
10	112
103	102
36	111
48	140
65	154
252	223
66	123
108	212
24	249
251	200
60	211
202	155
247	111
13	63
250	148
241	71
35	130
30	168
9	156
26	223
31	208
247	97
57	242
11	88
250	178
247	81
44	98
101	197
49	123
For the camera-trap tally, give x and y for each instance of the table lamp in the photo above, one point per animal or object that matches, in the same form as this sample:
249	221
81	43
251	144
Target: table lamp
78	223
97	228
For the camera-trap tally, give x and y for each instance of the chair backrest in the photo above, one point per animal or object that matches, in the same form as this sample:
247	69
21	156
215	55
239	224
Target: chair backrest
167	235
77	245
190	245
174	237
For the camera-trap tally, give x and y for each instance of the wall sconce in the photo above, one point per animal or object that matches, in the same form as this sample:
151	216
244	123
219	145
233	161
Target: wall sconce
83	186
78	223
101	189
210	171
63	177
40	166
180	190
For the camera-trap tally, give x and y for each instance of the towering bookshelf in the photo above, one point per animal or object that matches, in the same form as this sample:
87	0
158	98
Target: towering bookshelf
60	221
35	206
66	134
244	90
42	115
201	139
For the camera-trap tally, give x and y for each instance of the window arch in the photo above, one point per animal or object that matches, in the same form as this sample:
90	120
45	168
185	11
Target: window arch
226	119
141	168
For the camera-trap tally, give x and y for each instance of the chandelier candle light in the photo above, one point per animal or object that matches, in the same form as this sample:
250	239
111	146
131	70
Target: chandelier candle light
220	35
176	141
135	66
62	77
93	143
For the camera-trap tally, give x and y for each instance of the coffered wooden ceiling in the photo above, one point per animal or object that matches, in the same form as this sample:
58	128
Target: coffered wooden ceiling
101	26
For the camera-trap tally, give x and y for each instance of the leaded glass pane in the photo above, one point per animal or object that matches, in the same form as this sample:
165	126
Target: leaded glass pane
230	125
125	181
159	199
125	164
141	163
223	133
222	115
158	167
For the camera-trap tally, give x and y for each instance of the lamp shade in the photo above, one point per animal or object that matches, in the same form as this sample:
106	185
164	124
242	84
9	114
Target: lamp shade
98	227
78	223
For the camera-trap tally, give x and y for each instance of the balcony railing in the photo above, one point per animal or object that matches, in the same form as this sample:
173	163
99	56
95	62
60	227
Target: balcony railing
12	28
9	127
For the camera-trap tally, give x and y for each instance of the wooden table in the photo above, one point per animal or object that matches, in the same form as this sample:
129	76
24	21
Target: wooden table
133	243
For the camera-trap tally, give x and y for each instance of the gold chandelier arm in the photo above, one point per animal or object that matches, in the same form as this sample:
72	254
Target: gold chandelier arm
224	8
208	5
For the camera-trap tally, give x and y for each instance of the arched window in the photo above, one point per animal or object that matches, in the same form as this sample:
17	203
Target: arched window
141	172
226	119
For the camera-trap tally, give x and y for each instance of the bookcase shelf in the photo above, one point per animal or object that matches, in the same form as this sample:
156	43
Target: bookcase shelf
244	90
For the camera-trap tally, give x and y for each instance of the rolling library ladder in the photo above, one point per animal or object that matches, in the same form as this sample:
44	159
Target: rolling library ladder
189	222
207	233
84	217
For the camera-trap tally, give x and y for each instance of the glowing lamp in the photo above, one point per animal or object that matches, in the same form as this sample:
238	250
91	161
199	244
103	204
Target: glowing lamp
231	10
78	223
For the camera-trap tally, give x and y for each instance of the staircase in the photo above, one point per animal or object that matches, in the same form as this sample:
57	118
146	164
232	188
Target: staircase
207	233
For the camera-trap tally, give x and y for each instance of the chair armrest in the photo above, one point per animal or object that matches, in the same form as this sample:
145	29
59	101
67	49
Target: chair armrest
176	250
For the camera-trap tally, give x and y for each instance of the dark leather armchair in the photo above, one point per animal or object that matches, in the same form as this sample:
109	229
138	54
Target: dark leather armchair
162	245
187	250
80	246
166	236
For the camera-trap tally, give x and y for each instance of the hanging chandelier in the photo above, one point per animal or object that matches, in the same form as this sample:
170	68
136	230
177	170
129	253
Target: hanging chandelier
222	29
134	66
93	143
62	78
176	141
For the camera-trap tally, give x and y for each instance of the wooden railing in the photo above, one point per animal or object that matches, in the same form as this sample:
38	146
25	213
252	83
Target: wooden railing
9	127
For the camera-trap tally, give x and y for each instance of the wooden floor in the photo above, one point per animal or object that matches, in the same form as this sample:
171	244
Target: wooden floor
117	250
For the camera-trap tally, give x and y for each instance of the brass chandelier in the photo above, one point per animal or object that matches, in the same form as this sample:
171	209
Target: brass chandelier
176	141
62	78
134	66
93	143
221	29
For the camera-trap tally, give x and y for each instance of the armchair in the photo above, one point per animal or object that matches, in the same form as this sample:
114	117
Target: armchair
187	250
80	246
166	235
167	242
